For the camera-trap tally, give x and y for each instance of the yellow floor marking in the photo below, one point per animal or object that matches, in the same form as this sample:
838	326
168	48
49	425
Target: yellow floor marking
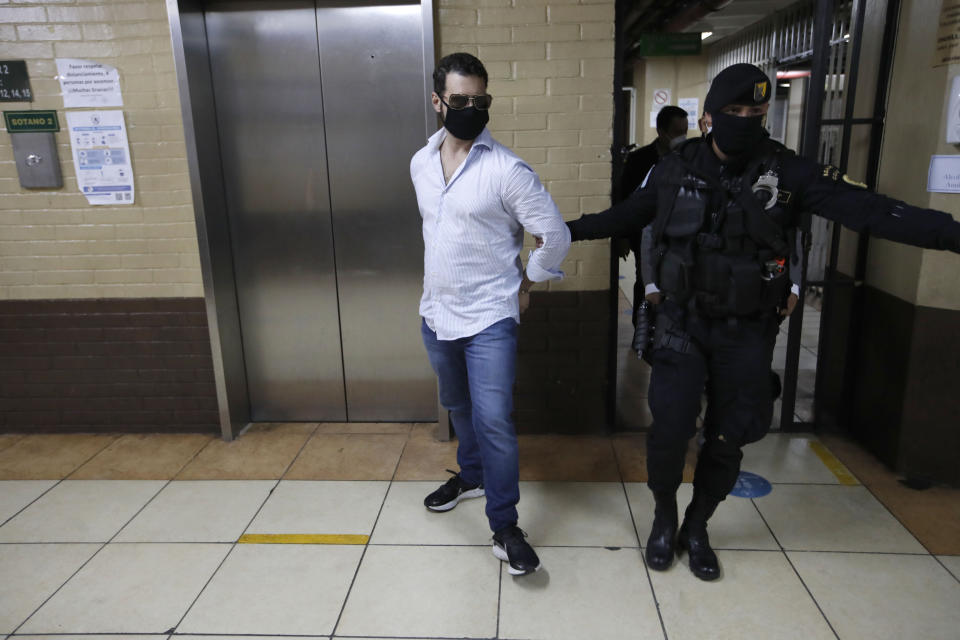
302	538
826	457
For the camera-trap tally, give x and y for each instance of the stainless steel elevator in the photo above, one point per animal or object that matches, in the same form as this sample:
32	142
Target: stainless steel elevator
301	118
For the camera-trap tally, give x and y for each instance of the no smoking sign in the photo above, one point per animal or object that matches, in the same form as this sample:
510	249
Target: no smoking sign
661	97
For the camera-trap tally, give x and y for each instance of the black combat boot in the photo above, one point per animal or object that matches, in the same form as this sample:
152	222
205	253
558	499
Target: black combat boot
662	541
693	537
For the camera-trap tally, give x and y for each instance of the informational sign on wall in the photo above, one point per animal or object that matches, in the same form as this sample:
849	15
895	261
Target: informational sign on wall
944	174
14	81
101	156
661	98
947	46
88	84
692	107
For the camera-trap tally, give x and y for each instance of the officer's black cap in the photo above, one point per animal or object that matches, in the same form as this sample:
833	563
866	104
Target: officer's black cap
737	84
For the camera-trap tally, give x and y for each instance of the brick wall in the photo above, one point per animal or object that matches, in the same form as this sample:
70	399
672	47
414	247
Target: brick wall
562	375
106	365
551	74
136	357
53	245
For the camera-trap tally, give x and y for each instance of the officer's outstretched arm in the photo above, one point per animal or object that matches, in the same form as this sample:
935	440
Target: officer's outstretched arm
838	198
623	219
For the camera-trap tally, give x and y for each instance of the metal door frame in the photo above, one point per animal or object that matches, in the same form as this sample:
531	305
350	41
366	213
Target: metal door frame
207	188
810	149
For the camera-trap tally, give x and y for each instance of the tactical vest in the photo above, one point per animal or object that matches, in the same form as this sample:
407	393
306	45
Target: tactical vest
713	260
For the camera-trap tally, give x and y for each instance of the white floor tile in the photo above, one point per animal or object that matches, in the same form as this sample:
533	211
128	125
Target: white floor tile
576	514
424	591
222	637
332	507
827	518
807	359
276	589
130	588
80	511
201	511
31	573
16	494
580	593
952	563
118	636
880	596
786	458
404	519
736	524
758	597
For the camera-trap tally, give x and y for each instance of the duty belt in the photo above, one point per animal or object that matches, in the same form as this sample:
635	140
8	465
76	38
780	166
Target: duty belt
710	240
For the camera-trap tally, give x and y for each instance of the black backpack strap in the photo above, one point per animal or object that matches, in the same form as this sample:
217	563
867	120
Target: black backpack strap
760	228
686	152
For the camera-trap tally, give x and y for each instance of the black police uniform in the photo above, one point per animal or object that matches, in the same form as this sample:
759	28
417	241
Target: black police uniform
720	249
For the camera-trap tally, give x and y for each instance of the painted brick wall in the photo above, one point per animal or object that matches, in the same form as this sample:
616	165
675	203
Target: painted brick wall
551	66
551	74
53	245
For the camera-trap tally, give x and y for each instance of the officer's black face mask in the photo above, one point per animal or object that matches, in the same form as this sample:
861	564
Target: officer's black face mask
736	135
467	123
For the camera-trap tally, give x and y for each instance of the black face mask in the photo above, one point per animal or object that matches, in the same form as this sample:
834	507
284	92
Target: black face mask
466	124
736	135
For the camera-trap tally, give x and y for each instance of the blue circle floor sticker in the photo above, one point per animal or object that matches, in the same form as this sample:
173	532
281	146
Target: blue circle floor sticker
750	485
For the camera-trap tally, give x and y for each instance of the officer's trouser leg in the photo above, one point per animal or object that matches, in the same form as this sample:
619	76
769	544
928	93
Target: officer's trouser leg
740	402
676	384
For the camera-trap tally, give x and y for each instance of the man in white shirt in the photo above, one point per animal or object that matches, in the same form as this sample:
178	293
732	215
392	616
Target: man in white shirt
476	198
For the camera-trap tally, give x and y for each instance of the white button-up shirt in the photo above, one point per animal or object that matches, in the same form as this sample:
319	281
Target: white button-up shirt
473	234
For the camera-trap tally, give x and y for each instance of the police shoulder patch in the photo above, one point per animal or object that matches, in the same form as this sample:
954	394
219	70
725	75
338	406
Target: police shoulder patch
853	182
783	196
760	91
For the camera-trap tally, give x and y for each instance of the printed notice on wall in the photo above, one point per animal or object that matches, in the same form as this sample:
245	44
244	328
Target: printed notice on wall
101	156
947	47
944	174
692	107
88	84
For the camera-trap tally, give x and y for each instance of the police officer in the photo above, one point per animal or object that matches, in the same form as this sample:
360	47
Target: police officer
724	210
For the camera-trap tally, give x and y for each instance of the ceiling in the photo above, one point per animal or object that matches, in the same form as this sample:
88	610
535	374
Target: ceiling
738	15
666	16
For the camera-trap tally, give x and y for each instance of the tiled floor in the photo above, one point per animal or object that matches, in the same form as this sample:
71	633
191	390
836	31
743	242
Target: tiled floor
162	536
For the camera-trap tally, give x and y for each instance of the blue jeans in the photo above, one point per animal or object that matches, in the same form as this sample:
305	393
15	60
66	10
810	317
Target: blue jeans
476	377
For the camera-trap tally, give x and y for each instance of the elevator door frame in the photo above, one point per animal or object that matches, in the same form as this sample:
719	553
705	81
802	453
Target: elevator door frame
206	179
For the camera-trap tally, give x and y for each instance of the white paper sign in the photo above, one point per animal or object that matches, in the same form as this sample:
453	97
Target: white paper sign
661	98
88	84
653	119
692	107
101	156
944	174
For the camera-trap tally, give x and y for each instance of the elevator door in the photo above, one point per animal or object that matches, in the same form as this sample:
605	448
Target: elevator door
319	108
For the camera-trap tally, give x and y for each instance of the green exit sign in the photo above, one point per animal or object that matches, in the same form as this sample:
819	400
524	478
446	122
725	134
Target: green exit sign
668	44
31	121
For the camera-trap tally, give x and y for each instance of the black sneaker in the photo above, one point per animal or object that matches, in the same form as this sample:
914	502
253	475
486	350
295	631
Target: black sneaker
453	491
509	545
